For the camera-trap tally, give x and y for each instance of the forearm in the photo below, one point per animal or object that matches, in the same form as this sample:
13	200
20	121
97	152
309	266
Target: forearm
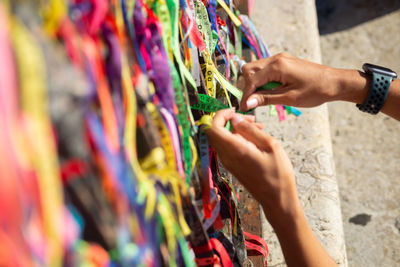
353	86
299	245
392	104
264	168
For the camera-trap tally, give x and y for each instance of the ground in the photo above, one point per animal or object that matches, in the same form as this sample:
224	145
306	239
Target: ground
366	148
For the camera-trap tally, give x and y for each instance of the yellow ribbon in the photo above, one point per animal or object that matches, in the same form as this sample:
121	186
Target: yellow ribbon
39	135
53	13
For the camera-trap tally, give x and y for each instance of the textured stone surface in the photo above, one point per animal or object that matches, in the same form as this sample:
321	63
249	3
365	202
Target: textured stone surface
290	25
366	148
307	141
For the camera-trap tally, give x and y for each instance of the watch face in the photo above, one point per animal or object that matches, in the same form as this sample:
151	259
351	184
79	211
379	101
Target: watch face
370	68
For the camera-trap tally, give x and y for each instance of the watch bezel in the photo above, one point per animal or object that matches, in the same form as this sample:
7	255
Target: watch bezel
370	68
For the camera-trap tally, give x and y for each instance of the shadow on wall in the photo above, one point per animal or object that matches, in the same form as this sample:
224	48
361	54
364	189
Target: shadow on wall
338	15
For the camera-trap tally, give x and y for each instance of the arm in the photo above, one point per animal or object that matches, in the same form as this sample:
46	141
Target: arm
307	84
259	162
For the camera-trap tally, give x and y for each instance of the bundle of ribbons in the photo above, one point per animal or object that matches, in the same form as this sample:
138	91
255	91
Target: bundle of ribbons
103	159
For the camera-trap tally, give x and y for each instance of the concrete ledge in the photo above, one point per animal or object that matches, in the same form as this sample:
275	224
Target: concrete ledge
291	26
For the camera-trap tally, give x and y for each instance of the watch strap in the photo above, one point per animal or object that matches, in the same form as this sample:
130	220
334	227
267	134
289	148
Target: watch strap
377	94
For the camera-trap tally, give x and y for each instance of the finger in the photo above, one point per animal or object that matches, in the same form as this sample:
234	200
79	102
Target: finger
252	119
249	70
249	118
248	102
252	133
218	133
249	89
255	66
241	83
224	142
259	125
279	95
270	72
251	67
222	117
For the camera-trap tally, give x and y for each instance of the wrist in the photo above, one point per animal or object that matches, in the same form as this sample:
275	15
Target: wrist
284	221
288	211
350	85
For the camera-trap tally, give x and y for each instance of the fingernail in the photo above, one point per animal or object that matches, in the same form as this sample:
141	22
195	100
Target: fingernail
241	64
236	119
252	103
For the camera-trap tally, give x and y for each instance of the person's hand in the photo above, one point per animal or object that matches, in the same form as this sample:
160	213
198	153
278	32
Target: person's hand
304	83
257	160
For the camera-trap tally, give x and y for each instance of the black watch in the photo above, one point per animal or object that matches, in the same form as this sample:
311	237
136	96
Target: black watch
381	80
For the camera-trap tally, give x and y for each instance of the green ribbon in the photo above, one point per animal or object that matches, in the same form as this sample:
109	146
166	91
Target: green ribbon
269	86
210	104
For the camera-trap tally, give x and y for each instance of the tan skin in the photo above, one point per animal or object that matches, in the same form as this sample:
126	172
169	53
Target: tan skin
308	84
258	160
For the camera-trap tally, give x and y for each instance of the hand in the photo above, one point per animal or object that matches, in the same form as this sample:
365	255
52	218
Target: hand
304	83
257	160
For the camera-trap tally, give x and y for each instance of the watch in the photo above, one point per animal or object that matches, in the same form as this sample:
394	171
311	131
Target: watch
381	80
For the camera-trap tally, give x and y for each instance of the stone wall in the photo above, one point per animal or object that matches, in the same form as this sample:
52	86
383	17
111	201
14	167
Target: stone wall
291	26
366	148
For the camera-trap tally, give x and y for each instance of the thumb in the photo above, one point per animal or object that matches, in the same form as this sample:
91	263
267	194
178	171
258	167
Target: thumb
248	90
252	133
262	98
